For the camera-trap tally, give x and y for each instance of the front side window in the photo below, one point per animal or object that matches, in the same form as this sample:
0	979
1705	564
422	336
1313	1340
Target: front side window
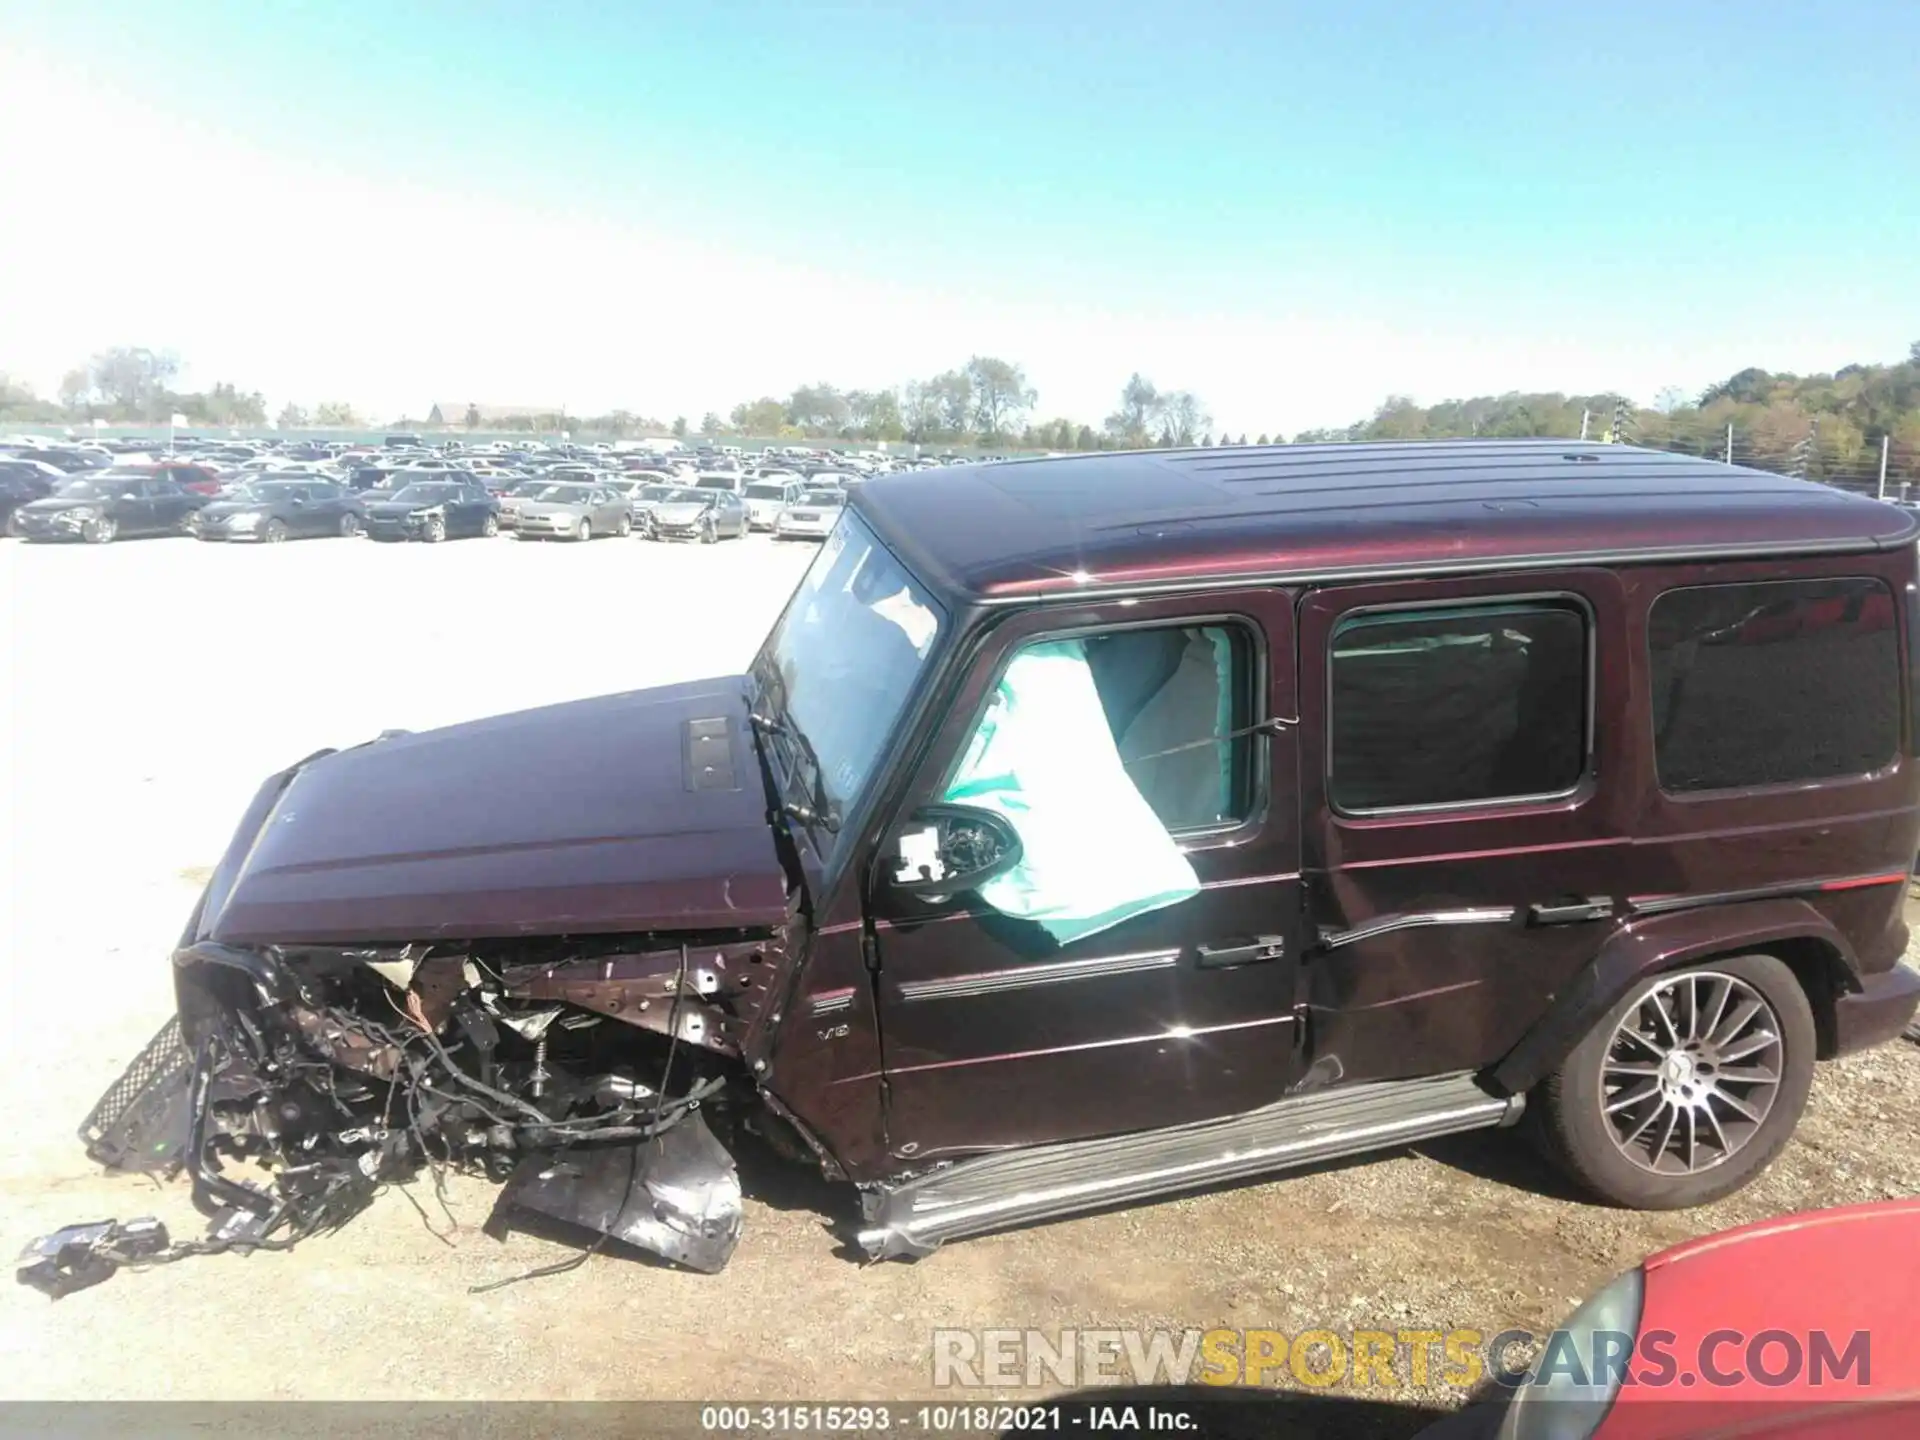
1457	706
1773	683
1098	750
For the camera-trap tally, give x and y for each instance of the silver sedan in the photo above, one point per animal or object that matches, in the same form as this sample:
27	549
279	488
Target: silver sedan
810	515
566	510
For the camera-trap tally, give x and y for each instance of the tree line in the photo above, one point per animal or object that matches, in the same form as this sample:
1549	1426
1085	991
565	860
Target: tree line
133	385
986	402
1826	426
1830	426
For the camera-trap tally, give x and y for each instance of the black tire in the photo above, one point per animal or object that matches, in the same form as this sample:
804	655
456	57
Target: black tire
274	532
101	531
490	526
349	526
436	530
1567	1119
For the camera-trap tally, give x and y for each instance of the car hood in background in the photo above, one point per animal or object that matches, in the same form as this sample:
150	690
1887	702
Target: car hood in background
642	811
552	507
222	509
678	514
51	506
399	510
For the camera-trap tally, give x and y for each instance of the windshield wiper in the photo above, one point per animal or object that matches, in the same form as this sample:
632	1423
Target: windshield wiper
818	808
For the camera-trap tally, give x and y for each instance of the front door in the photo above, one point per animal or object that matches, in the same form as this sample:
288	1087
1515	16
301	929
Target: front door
1010	1025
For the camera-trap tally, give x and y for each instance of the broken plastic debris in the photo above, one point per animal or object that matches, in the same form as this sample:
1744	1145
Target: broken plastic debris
81	1256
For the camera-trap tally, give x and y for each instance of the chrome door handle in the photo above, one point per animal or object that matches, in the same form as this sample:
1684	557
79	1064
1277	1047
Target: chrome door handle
1570	912
1252	952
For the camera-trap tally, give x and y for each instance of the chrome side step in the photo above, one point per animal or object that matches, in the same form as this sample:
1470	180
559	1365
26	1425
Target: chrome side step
1017	1187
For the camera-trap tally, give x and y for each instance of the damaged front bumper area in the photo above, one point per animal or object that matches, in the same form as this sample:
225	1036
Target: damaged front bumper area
297	1082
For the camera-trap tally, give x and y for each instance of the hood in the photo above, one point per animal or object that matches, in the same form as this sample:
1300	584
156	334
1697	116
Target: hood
221	509
53	504
393	509
642	811
551	507
678	512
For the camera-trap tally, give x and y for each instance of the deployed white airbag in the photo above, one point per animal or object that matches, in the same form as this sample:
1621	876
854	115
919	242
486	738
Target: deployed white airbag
1094	852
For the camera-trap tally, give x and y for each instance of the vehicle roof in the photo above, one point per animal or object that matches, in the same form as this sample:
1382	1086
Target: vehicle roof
1180	519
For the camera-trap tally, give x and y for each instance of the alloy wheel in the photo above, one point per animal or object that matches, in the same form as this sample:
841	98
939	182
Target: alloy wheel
585	532
101	531
349	526
490	527
1691	1073
276	532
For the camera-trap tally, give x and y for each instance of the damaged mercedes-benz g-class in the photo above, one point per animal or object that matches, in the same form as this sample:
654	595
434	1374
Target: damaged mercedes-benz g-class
1086	830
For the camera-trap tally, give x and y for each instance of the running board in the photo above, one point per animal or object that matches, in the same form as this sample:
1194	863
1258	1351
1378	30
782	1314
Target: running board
1016	1187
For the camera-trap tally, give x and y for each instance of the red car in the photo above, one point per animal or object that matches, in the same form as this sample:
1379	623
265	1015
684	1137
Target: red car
196	479
1797	1328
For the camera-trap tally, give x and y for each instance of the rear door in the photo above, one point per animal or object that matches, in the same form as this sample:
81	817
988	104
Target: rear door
326	505
999	1031
1468	821
136	510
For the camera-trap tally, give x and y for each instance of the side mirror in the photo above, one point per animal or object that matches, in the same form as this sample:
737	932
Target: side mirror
949	849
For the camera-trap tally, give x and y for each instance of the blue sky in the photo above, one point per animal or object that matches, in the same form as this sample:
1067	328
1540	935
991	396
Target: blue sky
1290	209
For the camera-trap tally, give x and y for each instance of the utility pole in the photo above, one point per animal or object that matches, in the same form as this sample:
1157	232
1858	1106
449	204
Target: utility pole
1885	440
1729	442
1585	416
1803	452
1620	422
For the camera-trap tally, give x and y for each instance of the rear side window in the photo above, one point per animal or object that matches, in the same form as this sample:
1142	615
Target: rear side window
1773	683
1478	704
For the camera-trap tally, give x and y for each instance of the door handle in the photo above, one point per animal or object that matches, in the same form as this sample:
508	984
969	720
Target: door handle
1252	952
1570	912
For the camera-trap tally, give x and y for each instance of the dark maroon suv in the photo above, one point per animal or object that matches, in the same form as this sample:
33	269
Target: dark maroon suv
1094	828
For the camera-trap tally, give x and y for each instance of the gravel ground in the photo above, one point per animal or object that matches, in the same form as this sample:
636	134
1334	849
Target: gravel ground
147	687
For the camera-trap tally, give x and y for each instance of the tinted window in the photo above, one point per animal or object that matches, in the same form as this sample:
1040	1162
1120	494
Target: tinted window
1454	706
1771	683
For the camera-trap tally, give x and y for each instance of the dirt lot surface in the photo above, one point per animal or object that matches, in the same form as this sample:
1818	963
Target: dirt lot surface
146	688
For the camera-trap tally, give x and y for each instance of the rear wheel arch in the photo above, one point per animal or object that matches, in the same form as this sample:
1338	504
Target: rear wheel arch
1791	931
1824	976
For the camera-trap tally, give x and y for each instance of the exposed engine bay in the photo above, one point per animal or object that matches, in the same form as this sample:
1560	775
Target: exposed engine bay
298	1082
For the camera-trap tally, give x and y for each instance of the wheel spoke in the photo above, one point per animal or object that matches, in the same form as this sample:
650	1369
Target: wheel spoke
1720	1002
1750	1046
1658	1001
1719	1135
1641	1129
1736	1022
1627	1099
1638	1038
1748	1075
1740	1106
1666	1135
1616	1067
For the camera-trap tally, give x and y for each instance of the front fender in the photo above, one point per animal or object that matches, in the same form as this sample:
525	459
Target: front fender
1665	942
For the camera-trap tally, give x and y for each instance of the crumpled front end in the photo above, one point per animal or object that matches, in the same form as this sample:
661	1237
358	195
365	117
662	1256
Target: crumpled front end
300	1081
